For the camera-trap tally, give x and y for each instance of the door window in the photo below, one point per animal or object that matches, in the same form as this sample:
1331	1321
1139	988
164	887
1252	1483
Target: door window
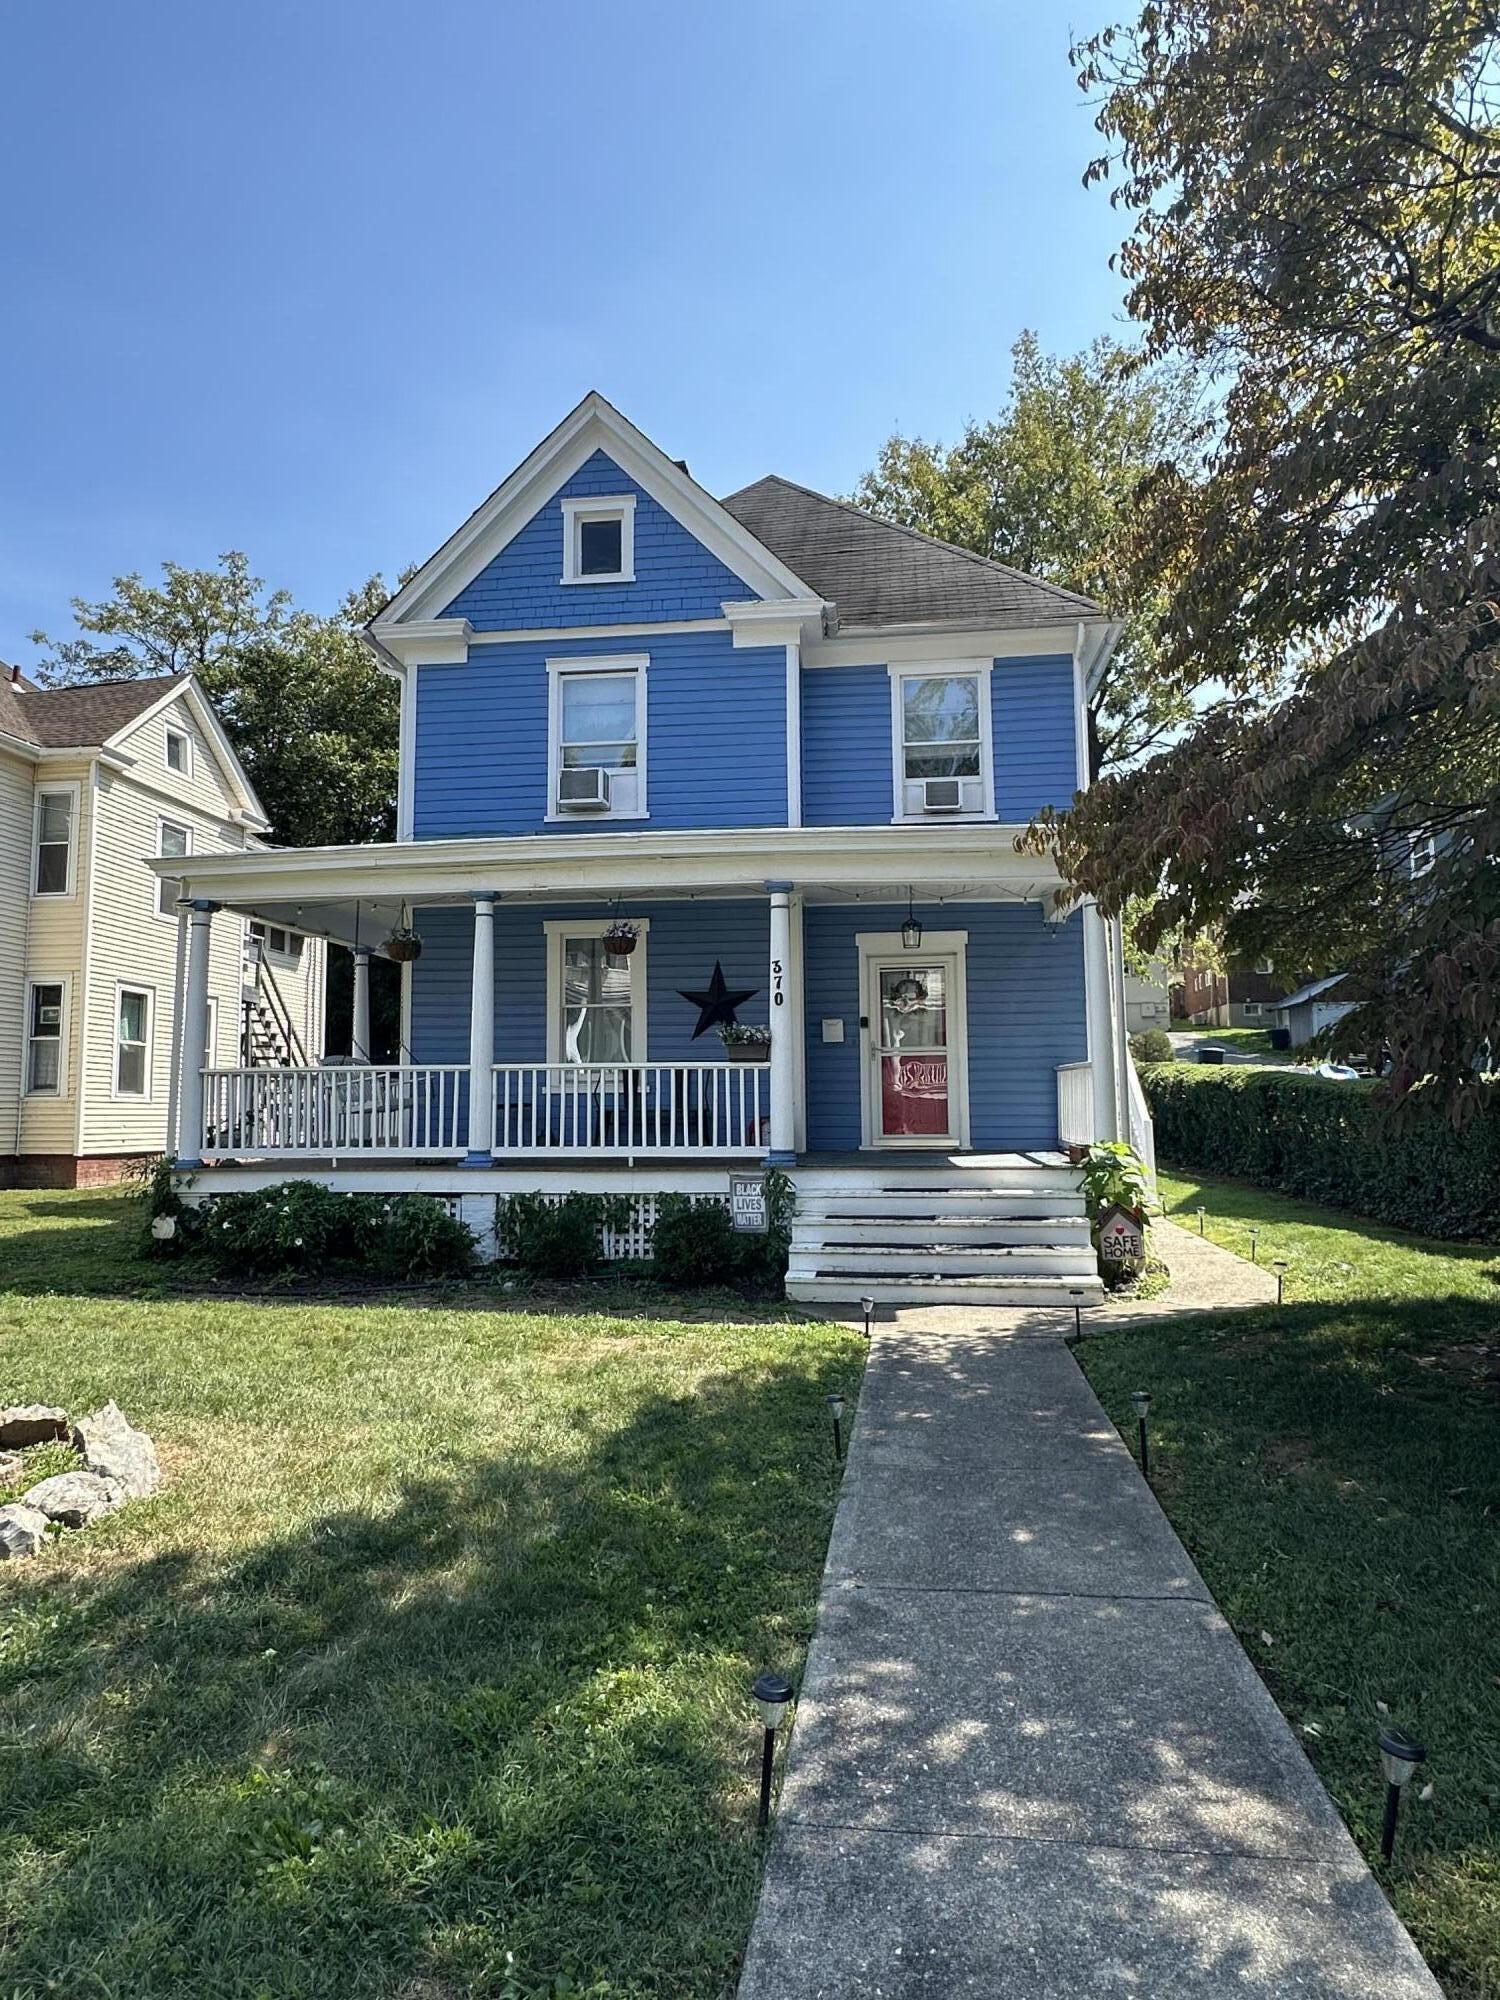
912	1051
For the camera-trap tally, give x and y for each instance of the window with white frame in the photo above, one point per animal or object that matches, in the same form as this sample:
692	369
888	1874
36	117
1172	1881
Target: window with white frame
171	841
45	1020
596	999
598	731
1423	853
132	1041
599	539
277	941
56	811
940	720
1252	1010
179	752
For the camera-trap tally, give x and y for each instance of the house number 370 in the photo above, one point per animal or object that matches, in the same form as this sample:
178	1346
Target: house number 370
778	995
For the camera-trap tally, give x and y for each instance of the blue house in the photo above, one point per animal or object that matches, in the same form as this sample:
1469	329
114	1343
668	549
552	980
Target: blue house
673	765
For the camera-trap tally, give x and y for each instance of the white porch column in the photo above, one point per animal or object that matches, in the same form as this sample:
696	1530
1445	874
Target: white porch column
194	1038
482	1034
359	1044
1098	987
784	1030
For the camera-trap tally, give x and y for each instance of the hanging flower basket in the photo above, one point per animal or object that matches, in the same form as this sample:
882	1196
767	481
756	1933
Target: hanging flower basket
403	945
619	939
744	1044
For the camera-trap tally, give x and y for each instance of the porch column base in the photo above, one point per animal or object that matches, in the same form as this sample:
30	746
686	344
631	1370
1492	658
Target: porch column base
781	1159
477	1160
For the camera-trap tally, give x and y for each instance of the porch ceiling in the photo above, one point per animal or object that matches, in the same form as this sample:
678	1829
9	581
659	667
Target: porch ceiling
357	893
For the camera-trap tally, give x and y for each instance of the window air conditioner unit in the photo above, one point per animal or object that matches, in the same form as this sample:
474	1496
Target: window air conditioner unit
942	795
583	790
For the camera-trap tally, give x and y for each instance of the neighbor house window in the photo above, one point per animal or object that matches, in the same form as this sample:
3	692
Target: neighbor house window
172	841
596	1000
179	751
599	540
598	726
132	1042
44	1039
55	814
278	942
1252	1009
1423	853
940	723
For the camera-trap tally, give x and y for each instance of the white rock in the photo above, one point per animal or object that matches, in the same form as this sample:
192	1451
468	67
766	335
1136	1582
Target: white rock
75	1498
110	1447
33	1423
22	1531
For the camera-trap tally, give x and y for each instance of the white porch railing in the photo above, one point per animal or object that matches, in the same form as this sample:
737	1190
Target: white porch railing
328	1113
1142	1131
1075	1104
625	1110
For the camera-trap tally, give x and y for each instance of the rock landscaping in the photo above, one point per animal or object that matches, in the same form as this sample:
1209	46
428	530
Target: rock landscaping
116	1464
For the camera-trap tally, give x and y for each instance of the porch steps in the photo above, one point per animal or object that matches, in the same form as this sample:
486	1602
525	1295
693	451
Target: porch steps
1010	1231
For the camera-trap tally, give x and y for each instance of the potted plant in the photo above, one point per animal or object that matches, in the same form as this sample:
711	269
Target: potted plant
742	1044
403	945
619	939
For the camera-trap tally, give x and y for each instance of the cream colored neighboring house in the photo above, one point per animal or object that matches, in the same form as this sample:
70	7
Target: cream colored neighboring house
94	782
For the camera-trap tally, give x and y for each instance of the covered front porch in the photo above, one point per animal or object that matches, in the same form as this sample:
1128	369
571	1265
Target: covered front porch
926	994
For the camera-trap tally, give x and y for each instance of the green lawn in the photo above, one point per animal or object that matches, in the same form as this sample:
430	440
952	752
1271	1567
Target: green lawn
1243	1041
1334	1468
426	1674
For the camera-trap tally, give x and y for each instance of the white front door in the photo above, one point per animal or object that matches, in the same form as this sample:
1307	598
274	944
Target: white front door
914	1072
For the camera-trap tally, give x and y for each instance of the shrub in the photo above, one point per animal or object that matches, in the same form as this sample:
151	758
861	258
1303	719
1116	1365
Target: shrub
154	1188
423	1240
1333	1142
301	1227
559	1239
1153	1045
1114	1174
694	1241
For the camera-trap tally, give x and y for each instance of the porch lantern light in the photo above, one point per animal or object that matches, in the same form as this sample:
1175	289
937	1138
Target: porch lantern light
911	930
771	1694
836	1416
1399	1758
867	1307
1141	1403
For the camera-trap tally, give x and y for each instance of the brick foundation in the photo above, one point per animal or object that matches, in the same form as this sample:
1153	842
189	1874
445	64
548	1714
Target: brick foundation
64	1170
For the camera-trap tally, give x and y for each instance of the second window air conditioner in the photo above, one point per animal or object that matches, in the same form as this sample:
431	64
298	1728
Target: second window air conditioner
942	795
583	789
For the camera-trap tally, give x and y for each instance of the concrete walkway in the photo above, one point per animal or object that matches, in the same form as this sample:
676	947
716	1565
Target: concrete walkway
1030	1760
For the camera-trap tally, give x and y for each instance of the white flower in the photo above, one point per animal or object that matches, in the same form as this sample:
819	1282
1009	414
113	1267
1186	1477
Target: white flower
296	1242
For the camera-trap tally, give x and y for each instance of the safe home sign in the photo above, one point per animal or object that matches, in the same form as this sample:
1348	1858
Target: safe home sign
1122	1239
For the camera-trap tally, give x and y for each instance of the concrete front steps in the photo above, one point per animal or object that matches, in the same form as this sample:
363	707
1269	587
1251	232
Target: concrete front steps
996	1230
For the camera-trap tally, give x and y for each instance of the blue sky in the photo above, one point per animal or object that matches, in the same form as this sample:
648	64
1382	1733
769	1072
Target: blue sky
307	278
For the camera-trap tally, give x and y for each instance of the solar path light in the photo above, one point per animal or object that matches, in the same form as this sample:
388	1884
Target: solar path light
867	1307
1255	1246
1202	1213
836	1414
1280	1269
1141	1400
1399	1757
1076	1292
771	1693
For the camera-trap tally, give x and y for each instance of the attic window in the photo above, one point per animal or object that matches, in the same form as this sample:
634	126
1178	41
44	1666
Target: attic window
179	751
599	539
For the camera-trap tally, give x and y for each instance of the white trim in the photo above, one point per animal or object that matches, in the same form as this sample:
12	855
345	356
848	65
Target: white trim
556	930
881	948
182	826
952	669
580	507
184	737
251	810
65	1029
1002	644
554	635
142	1096
426	642
775	621
74	789
595	663
595	425
1080	715
406	754
793	734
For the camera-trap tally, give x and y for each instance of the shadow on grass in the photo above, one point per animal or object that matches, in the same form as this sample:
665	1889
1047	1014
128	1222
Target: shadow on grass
1242	1201
492	1735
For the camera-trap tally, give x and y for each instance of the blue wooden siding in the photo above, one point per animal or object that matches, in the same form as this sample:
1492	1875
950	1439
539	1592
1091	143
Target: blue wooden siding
675	576
1025	1017
715	737
684	940
847	763
1025	995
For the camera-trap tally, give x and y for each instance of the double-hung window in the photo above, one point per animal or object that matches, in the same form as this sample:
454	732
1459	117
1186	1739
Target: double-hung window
940	722
598	729
180	752
56	811
596	999
44	1038
172	840
132	1042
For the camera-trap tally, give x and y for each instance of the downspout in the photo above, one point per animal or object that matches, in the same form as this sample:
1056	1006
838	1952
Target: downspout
1122	1040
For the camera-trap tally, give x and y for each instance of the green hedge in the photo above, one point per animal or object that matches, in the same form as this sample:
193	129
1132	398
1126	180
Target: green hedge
1331	1142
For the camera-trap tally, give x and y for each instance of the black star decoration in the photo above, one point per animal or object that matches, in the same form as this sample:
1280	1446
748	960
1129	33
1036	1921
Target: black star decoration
716	1002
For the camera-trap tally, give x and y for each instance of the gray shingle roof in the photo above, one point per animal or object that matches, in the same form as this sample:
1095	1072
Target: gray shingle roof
880	574
77	717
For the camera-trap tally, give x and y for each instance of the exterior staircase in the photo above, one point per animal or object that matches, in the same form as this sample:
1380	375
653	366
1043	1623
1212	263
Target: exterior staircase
268	1038
994	1230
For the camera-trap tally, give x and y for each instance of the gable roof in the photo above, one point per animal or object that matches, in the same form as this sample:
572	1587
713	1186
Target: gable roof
879	573
1311	992
78	718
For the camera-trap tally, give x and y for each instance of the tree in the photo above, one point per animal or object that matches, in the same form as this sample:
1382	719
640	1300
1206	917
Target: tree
1049	487
1315	193
311	717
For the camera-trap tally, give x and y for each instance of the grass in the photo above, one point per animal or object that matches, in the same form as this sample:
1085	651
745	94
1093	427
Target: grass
425	1675
1334	1468
1243	1041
